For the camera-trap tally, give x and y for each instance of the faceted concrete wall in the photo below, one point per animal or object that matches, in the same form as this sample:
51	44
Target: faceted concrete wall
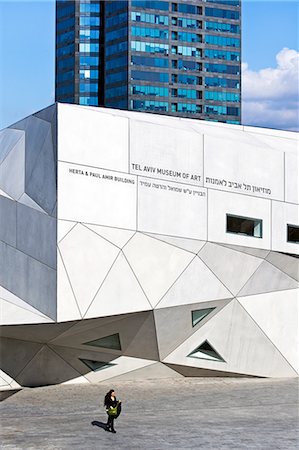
149	283
28	198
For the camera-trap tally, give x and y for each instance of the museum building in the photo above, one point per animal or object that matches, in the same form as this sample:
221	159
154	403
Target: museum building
137	245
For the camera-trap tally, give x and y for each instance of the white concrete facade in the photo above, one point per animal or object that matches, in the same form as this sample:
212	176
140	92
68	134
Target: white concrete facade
134	243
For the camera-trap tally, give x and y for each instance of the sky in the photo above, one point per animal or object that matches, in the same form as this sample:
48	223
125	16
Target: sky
270	61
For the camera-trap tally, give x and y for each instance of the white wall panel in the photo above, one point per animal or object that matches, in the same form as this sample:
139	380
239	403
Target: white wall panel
222	203
291	178
172	208
238	166
95	196
92	137
172	154
282	215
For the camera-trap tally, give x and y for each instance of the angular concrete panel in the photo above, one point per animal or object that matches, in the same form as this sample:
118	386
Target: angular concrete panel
63	228
67	306
285	263
40	243
191	245
11	314
87	258
40	182
29	279
116	236
231	267
47	367
156	264
27	201
267	278
8	140
120	293
8	221
12	171
241	343
196	284
174	324
16	354
276	314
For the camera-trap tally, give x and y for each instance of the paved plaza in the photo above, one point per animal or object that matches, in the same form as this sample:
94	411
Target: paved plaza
184	413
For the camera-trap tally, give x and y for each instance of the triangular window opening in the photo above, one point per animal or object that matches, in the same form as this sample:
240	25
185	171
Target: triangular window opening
96	365
206	351
200	314
111	342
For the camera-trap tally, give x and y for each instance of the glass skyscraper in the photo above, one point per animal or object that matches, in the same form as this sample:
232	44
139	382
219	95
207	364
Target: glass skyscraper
178	58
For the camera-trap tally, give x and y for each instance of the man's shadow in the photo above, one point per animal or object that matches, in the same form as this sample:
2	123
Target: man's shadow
99	424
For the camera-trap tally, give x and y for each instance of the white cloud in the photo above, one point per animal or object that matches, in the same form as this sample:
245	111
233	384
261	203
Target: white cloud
270	97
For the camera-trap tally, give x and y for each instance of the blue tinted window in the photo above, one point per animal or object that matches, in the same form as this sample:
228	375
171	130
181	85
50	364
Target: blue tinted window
64	37
222	68
222	110
116	92
89	21
150	90
67	50
89	7
186	65
227	2
148	61
68	89
185	23
186	108
186	79
89	101
150	4
87	74
185	51
116	77
221	54
116	20
88	34
150	47
149	32
113	6
89	48
184	36
89	61
149	105
149	18
65	76
223	41
219	26
116	34
223	82
149	76
184	93
223	13
116	62
119	103
222	96
116	48
186	8
66	11
65	24
65	63
88	87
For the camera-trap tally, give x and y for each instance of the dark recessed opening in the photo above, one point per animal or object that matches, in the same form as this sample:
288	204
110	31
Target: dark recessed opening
244	225
293	234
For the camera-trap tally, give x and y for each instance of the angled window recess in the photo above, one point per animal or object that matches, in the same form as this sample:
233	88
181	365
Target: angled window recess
112	342
293	233
199	315
244	225
206	351
96	365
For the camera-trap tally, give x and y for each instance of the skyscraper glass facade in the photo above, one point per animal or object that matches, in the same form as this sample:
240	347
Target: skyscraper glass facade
179	57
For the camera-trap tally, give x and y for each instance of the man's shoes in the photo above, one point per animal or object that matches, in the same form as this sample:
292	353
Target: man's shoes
113	431
107	428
